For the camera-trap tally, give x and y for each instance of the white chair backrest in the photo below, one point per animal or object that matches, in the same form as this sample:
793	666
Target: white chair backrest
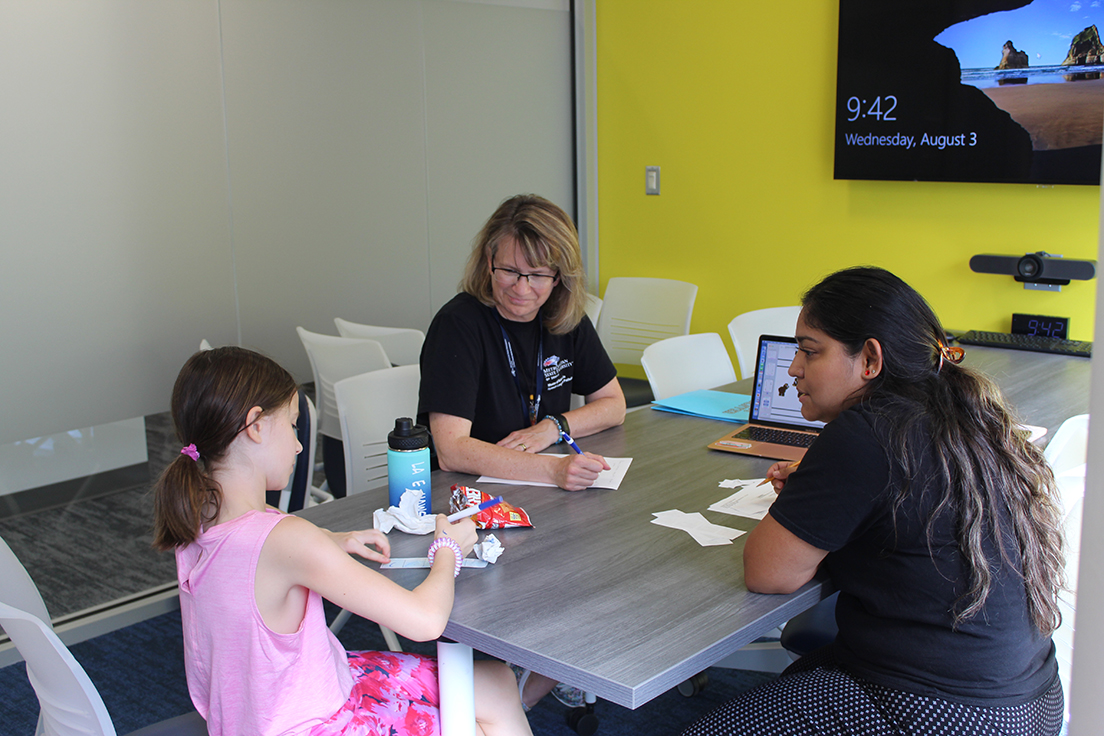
746	328
306	456
1067	454
333	358
368	405
593	309
1068	449
403	344
639	311
687	363
70	704
17	589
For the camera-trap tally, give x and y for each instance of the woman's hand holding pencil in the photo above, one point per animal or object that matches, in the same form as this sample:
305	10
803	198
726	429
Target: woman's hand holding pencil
778	473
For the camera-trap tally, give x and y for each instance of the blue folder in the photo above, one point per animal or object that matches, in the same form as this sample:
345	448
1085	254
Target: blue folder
708	403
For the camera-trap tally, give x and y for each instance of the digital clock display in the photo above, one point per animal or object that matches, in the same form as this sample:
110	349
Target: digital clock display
1040	326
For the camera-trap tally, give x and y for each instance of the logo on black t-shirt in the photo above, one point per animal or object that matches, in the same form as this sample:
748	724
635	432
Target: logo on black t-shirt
554	368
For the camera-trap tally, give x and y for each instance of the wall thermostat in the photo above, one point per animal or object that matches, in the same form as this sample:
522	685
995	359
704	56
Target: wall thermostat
1037	324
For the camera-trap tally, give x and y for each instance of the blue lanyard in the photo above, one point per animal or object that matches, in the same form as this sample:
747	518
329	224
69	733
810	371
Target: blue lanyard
532	405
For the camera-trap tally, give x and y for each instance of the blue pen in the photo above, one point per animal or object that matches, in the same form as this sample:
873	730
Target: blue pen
473	510
568	440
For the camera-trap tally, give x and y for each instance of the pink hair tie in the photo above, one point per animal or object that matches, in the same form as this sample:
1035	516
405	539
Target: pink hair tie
191	452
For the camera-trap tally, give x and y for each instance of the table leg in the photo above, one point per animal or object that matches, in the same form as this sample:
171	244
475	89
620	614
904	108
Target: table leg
455	675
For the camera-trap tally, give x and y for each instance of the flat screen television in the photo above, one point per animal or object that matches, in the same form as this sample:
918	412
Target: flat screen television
970	90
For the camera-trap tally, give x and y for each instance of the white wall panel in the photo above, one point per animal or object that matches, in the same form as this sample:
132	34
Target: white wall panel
328	162
360	147
499	124
113	220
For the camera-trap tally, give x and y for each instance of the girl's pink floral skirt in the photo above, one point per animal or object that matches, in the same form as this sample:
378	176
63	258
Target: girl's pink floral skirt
393	693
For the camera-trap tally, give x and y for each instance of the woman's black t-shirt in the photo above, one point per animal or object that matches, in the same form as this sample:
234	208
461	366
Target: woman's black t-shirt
899	585
466	372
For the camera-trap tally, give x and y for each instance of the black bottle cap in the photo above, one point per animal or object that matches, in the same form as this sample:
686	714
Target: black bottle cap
407	435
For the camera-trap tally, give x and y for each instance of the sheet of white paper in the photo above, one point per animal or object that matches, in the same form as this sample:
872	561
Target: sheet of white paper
752	501
704	532
606	479
399	563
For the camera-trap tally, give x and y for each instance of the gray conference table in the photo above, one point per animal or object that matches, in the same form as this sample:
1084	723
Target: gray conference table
596	596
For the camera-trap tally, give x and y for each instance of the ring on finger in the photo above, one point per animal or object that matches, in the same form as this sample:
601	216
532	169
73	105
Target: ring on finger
523	447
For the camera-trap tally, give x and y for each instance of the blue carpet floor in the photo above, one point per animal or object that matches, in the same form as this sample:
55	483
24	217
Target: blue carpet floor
139	672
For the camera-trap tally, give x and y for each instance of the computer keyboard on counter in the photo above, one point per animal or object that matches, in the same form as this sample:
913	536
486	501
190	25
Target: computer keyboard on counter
1026	342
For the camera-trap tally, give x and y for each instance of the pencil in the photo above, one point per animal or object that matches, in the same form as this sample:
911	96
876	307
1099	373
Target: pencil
767	480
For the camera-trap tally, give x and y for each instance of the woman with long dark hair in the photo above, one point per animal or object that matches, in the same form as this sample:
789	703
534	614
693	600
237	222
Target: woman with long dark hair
935	517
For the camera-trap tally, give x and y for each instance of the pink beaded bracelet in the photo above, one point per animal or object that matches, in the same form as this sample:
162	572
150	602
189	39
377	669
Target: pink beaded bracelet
440	542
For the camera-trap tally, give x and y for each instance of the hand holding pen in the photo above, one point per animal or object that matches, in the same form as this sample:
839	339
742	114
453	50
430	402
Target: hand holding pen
578	471
473	510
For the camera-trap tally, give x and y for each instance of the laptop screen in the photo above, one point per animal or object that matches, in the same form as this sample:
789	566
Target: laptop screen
775	399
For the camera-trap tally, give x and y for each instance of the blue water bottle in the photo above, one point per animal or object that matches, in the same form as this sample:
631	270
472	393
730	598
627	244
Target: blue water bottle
408	462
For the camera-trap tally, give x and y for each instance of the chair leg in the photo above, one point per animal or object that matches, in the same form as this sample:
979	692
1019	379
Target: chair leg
391	639
339	620
388	635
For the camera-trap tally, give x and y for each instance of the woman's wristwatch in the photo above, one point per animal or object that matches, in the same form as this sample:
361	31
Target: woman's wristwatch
440	542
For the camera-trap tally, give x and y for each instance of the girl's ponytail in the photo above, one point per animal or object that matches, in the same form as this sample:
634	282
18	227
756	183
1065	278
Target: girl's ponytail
184	499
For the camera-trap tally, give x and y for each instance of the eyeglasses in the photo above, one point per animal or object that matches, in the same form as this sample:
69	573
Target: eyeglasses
509	277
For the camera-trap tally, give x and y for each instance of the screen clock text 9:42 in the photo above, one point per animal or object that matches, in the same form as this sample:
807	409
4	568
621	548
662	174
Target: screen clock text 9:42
880	108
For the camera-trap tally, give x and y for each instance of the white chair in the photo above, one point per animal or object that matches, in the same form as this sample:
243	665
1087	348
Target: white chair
639	311
593	308
746	328
368	406
1067	454
67	707
18	589
687	363
402	344
71	705
333	358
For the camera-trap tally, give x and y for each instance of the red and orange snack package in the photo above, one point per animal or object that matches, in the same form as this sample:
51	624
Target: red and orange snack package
502	516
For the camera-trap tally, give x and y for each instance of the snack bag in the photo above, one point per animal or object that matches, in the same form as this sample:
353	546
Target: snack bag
502	516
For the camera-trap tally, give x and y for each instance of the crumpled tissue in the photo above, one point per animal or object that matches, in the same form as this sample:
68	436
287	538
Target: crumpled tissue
405	517
490	549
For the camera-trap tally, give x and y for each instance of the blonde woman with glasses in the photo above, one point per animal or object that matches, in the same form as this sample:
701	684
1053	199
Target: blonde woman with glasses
502	359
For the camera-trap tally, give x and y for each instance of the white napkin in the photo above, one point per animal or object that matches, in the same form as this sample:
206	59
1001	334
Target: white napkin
490	549
405	516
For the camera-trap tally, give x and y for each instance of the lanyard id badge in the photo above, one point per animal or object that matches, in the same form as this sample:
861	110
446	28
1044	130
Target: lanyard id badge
530	405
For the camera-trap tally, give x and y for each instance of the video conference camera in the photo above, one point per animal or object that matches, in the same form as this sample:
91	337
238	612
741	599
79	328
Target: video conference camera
1038	270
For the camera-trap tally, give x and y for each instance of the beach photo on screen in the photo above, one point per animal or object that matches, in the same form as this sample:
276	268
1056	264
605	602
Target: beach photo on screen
970	90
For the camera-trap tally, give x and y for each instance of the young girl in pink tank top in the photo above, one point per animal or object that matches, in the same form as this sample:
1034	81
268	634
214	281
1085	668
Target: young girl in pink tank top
258	655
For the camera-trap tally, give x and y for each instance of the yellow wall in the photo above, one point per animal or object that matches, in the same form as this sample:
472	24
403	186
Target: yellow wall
734	100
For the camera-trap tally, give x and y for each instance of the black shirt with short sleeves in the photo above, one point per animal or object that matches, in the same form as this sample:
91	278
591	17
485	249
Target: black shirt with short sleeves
466	372
899	586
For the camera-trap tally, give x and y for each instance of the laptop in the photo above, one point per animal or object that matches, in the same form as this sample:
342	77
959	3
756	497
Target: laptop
775	427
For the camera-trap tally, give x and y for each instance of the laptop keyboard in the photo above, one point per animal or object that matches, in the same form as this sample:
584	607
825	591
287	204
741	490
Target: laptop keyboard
777	436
